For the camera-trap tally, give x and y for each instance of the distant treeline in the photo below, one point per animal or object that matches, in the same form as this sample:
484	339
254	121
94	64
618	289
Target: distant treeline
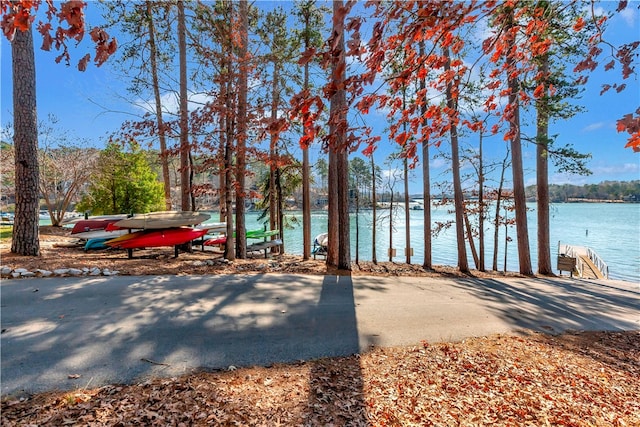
620	191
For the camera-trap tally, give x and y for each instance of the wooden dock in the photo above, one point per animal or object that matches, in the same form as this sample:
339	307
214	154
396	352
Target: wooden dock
588	265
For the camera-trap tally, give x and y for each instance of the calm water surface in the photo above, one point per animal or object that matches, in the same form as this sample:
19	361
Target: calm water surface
611	229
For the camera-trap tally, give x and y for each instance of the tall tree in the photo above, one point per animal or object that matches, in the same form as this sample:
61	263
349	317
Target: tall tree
111	189
25	240
185	182
312	20
426	177
155	82
452	105
243	122
339	226
16	24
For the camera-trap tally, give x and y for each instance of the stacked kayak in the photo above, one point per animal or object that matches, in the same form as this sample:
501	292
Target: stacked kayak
152	238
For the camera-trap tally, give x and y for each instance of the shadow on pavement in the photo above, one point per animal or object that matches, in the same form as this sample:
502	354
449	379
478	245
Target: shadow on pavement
70	333
336	395
556	306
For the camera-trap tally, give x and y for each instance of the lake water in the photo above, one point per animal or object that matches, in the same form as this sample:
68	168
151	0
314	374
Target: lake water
611	229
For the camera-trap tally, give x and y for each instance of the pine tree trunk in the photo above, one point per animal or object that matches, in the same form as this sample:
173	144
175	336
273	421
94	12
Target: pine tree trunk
338	154
25	239
481	205
520	201
374	203
332	211
306	190
185	185
153	58
241	244
426	181
463	263
542	177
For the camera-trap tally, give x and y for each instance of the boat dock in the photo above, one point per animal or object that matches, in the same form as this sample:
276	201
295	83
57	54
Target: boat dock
582	261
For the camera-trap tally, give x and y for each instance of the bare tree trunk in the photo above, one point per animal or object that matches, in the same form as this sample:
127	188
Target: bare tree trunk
273	152
463	264
185	185
241	244
280	199
496	221
153	58
472	244
374	203
426	181
332	213
542	176
407	214
26	239
229	247
524	255
338	153
481	205
306	191
357	225
344	255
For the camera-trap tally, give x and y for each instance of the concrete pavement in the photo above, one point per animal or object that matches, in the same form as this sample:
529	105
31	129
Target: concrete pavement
123	329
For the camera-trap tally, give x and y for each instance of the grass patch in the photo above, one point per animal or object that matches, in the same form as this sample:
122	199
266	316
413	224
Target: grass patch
5	232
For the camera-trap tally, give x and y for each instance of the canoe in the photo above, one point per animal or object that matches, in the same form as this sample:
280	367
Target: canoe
219	240
90	224
162	220
76	219
100	234
261	234
156	238
98	243
214	227
114	243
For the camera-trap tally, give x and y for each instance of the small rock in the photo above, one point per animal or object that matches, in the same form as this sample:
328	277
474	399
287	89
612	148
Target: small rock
20	270
95	271
5	271
210	262
60	271
75	272
27	274
44	273
199	263
15	275
85	269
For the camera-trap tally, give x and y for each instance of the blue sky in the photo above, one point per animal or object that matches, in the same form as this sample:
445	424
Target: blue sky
93	104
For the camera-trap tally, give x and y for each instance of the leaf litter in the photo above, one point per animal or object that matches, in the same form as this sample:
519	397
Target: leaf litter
532	379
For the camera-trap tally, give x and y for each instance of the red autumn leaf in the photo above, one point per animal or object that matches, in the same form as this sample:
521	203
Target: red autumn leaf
82	64
539	92
307	56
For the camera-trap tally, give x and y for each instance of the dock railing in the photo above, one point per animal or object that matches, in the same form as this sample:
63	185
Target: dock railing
576	252
599	262
570	251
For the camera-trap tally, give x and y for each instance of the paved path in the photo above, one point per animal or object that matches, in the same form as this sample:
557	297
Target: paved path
122	329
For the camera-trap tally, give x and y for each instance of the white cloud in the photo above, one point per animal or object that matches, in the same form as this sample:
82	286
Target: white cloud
628	15
438	163
171	102
617	169
593	126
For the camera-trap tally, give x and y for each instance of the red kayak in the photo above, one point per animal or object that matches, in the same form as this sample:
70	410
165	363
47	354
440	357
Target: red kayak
85	225
220	240
155	238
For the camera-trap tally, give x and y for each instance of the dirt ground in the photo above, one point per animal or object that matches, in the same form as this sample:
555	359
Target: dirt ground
534	379
59	250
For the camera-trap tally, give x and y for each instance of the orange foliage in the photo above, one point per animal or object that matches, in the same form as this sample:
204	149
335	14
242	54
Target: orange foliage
19	16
